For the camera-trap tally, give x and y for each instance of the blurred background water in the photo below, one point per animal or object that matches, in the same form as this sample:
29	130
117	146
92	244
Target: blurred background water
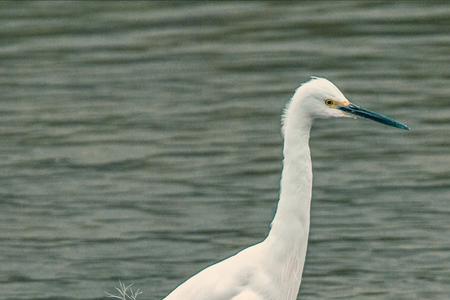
140	141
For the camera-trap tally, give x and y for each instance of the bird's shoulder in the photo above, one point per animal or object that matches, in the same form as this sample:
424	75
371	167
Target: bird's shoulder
225	280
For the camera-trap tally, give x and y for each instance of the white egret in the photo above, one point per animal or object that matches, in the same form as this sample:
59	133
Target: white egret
272	269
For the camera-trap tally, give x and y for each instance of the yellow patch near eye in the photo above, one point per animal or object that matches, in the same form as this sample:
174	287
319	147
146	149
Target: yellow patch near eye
344	103
333	103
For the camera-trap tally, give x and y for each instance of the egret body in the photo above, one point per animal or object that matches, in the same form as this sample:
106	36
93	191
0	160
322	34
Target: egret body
272	269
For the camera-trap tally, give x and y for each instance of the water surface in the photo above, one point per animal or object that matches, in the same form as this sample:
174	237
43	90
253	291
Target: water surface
140	141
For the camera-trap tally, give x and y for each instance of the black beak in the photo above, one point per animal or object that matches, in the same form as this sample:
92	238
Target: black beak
361	112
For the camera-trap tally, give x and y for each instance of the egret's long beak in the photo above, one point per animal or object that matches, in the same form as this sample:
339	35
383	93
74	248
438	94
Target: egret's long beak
359	111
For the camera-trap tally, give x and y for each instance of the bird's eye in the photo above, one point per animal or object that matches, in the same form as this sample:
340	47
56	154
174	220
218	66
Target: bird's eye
329	102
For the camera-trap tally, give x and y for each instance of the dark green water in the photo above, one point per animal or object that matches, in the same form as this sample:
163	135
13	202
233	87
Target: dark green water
140	141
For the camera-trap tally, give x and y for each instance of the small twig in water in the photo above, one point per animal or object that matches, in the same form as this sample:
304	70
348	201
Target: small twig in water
126	292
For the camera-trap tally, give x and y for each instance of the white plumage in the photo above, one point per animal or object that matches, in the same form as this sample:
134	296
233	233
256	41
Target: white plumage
272	269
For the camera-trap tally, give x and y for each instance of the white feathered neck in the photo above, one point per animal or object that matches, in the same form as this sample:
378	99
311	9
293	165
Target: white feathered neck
288	237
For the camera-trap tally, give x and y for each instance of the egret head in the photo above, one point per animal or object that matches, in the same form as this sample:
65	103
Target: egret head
319	98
